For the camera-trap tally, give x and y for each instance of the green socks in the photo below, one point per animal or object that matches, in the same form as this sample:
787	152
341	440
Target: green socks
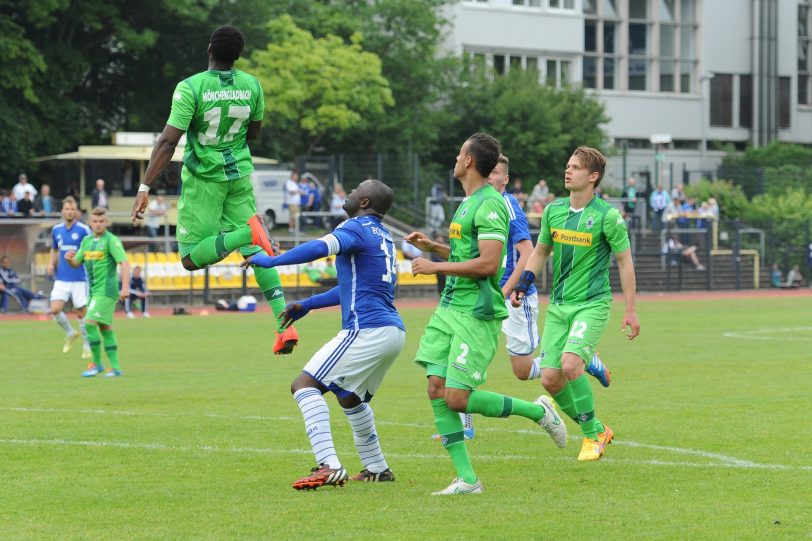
449	427
94	339
215	248
111	348
496	405
584	404
271	287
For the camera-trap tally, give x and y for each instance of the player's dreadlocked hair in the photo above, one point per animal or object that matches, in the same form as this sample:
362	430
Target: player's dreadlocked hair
227	43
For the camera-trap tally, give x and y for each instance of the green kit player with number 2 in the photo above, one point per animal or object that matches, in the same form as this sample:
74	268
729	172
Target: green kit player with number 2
462	334
581	231
219	109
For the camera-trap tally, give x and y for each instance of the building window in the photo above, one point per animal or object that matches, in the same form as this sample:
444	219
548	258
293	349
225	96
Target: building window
746	101
552	71
547	4
804	53
661	51
784	100
721	100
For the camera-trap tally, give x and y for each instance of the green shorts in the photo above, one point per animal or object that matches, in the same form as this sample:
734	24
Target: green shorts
211	208
458	347
100	309
573	328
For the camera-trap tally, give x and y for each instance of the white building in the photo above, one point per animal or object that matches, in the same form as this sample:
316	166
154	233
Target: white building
718	71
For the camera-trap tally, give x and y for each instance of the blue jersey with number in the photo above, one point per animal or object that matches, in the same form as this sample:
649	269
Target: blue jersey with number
517	232
67	240
366	265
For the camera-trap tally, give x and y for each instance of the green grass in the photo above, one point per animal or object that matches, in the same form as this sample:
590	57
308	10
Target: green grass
201	439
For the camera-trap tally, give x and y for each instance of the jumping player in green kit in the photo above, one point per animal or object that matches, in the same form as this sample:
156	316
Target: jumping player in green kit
581	231
101	252
462	335
219	109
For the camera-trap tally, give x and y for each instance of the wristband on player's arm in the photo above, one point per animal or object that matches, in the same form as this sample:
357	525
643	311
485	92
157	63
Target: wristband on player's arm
527	279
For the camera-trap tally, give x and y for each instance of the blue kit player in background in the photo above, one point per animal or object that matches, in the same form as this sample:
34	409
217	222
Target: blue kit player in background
521	327
70	283
353	364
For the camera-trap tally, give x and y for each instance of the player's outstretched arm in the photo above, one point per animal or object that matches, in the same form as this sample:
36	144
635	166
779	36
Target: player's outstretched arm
299	309
162	154
628	283
304	253
487	264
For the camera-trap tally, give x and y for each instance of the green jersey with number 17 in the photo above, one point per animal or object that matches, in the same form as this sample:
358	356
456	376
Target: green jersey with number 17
481	216
214	109
582	243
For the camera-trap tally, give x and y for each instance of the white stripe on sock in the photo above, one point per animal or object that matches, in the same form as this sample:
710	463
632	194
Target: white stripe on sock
362	421
535	369
317	425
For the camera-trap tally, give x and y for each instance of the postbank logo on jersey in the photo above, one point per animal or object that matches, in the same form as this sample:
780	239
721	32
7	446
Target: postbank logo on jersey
455	231
573	238
94	255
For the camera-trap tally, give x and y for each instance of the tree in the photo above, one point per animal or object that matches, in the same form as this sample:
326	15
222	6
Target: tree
315	86
769	169
538	125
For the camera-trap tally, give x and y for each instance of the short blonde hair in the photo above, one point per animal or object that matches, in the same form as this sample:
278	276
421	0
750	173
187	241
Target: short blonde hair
593	160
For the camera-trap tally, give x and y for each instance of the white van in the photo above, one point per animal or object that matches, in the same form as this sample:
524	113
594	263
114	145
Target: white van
269	191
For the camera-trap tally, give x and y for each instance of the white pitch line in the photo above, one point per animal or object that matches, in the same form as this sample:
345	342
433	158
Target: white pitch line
724	460
438	455
755	334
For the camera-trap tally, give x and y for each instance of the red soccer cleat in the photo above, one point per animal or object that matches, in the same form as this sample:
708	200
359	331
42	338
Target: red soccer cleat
320	476
286	341
261	235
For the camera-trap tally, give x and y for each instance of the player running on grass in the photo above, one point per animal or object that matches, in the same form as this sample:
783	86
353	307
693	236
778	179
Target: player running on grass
581	231
521	326
70	283
101	252
353	364
219	109
462	334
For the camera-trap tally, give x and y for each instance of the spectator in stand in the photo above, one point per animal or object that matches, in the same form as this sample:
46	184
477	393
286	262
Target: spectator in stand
100	198
10	287
8	205
775	276
138	292
672	211
156	210
538	194
517	190
45	204
293	199
688	253
658	201
794	278
25	206
337	201
436	216
72	191
686	210
22	187
713	208
677	192
315	205
630	202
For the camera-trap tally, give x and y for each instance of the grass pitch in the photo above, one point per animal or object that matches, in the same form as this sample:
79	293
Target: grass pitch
201	439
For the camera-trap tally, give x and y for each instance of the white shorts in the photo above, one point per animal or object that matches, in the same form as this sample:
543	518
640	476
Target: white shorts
355	362
521	327
76	292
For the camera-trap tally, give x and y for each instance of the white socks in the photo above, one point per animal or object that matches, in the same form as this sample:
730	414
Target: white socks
317	425
362	421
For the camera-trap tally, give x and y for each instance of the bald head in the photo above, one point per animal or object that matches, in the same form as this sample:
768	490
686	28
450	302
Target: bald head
370	197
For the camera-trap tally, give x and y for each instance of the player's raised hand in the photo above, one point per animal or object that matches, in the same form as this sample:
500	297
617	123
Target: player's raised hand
292	312
419	240
630	320
139	208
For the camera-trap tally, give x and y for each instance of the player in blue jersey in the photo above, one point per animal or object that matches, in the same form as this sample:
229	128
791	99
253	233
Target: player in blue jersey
353	364
70	283
521	326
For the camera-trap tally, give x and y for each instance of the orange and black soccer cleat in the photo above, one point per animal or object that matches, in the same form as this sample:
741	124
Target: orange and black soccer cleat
286	341
320	476
261	235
